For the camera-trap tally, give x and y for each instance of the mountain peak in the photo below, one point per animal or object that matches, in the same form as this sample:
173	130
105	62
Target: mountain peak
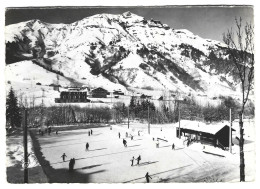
127	14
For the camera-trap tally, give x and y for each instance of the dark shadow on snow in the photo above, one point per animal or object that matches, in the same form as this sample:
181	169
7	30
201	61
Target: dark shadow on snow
134	145
90	167
109	154
59	175
147	163
137	139
96	149
159	173
179	149
97	134
165	146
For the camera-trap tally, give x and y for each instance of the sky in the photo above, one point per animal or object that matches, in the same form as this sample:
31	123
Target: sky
206	21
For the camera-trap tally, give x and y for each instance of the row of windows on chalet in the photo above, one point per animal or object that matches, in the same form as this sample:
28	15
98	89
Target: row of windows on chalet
100	93
78	96
73	95
59	100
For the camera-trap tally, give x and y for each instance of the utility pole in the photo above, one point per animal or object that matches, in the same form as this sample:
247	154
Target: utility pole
148	119
179	118
128	117
113	116
230	131
25	147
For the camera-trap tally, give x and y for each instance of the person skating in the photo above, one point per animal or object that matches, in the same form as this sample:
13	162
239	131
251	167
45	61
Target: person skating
132	161
157	144
138	133
173	146
87	146
63	156
119	134
138	159
132	137
91	132
126	134
57	133
147	176
71	165
124	142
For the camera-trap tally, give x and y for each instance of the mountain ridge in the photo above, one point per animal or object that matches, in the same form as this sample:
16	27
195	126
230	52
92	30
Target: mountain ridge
124	51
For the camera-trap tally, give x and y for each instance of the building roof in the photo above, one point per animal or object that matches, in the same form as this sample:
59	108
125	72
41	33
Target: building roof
212	128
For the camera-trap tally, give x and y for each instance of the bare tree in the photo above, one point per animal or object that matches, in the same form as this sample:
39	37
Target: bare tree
241	51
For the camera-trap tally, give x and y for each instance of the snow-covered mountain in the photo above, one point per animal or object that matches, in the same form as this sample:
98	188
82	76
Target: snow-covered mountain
118	52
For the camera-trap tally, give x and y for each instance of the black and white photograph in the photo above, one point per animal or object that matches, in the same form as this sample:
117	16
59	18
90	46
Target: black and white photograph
129	94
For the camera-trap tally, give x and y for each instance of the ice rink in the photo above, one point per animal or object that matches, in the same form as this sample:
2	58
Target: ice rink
108	161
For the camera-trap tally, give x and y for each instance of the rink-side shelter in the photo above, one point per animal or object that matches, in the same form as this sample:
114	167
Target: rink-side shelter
214	134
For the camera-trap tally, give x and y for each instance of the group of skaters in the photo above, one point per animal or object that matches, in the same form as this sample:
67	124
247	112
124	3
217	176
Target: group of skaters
71	162
158	144
126	135
138	159
90	132
48	130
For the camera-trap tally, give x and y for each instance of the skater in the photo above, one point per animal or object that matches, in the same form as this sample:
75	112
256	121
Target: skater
157	144
161	128
132	137
138	159
126	134
147	176
138	133
91	132
87	146
56	132
63	156
173	146
132	161
124	142
119	134
188	143
71	165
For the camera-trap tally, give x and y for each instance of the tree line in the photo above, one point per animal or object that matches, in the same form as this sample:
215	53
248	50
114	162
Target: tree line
142	110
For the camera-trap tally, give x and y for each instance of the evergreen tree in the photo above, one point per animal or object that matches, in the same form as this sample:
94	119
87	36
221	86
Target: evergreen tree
132	105
13	115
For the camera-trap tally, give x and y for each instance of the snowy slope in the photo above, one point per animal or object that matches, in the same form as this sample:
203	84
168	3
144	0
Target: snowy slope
118	52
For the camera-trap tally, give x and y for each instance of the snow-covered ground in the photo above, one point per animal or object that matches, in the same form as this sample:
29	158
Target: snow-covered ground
108	161
15	161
